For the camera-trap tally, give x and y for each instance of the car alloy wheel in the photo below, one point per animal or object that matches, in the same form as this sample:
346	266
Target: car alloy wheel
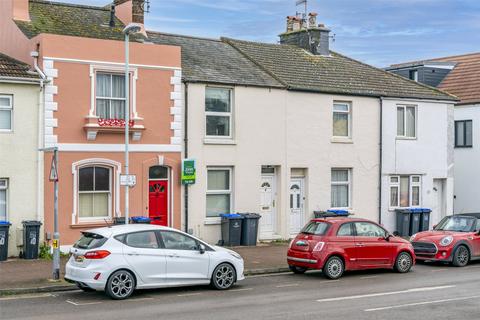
404	262
223	277
333	269
461	256
120	285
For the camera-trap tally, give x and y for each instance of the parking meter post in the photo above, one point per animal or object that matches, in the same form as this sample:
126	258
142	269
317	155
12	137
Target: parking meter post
56	234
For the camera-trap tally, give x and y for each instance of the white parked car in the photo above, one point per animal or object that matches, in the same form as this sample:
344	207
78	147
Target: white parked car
122	258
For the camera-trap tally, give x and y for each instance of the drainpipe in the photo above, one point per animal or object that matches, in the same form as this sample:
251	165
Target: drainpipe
380	164
185	140
41	114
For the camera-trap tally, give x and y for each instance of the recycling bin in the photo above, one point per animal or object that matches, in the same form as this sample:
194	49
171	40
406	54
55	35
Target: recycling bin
415	220
231	229
403	222
143	220
425	219
118	220
4	226
31	235
249	229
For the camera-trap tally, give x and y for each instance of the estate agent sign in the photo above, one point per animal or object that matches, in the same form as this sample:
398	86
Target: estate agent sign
189	172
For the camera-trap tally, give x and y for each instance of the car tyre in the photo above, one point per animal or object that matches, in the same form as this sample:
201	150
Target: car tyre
223	277
120	285
334	268
297	270
404	262
84	288
461	256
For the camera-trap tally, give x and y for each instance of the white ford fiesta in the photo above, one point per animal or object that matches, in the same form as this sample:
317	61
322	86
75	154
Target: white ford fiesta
120	259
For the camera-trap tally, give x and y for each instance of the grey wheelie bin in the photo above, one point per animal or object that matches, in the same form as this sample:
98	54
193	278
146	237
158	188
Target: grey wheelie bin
31	236
249	229
231	229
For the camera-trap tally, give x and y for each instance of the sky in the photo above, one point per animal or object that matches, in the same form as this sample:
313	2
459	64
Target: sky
377	32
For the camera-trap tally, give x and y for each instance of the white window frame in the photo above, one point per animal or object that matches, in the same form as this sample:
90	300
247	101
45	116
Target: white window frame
110	74
411	185
4	186
10	108
221	192
94	68
110	192
342	183
222	114
349	119
404	107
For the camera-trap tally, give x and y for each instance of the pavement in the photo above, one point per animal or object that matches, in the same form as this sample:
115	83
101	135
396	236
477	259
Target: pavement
31	276
428	292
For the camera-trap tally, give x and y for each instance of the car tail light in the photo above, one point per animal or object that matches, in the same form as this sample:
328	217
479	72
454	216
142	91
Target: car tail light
319	246
97	254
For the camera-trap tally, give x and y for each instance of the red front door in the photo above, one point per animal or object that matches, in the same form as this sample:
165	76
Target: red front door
158	202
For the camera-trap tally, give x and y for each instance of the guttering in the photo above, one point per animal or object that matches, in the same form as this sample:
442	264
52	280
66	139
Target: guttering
20	80
453	101
380	167
35	54
185	143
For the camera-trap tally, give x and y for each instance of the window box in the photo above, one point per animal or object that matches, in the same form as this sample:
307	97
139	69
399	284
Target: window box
94	125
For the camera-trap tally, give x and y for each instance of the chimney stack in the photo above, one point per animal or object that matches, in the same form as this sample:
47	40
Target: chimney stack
20	10
129	11
307	35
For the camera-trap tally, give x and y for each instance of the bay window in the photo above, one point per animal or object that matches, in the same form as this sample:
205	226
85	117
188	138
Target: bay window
219	191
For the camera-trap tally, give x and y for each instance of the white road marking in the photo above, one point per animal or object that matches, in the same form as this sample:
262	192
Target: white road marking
26	296
189	294
82	303
369	277
385	293
439	270
243	289
421	303
287	285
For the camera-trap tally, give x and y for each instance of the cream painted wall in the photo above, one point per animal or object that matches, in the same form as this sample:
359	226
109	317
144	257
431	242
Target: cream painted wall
429	155
19	160
287	130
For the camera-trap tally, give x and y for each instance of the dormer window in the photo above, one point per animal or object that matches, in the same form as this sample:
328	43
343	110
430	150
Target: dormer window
413	75
110	95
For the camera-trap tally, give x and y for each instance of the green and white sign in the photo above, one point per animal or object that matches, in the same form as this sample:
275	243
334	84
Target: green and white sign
189	171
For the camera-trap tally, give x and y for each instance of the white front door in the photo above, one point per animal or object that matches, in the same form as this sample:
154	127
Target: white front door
439	203
297	201
267	206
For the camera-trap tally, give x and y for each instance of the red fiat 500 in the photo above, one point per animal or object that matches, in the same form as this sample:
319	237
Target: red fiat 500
455	239
335	244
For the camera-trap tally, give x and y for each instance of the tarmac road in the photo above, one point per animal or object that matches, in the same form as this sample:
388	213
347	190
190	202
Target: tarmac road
428	292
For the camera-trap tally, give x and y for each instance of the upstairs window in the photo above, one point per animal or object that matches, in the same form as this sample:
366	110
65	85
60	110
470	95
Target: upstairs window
463	134
341	119
413	75
94	192
6	113
406	121
110	95
218	112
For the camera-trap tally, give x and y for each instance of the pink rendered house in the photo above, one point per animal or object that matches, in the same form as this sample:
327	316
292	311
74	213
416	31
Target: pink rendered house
81	53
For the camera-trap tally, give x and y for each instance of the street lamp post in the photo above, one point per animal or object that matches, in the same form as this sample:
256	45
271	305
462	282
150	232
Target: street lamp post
132	28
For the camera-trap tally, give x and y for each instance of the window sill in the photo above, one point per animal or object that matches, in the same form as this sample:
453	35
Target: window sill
406	138
341	140
91	224
212	221
93	126
225	141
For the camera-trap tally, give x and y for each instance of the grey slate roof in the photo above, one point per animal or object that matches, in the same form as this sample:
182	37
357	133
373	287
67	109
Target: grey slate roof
11	68
213	61
300	70
70	20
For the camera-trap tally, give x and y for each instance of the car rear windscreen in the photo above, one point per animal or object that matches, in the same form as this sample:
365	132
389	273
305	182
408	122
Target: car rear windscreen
90	241
316	228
